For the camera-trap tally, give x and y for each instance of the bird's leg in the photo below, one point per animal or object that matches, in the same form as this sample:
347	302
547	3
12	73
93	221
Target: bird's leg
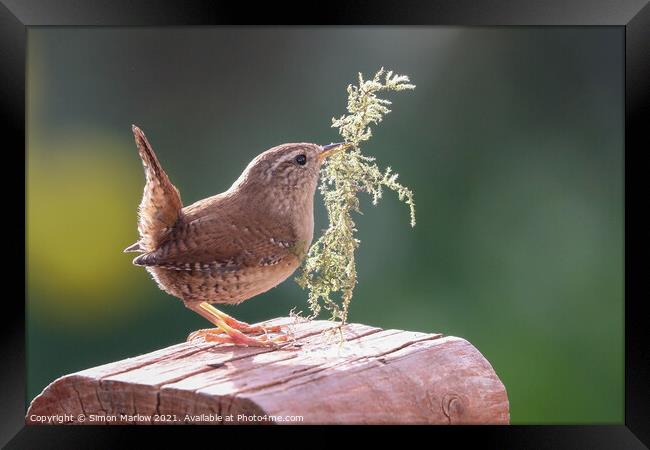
242	326
233	334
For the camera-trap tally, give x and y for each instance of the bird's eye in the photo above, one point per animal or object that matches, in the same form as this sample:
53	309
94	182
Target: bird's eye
301	159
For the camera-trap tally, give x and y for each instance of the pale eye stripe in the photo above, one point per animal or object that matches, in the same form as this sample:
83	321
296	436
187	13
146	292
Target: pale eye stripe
288	157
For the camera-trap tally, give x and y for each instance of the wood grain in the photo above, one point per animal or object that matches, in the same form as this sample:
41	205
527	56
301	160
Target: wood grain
374	377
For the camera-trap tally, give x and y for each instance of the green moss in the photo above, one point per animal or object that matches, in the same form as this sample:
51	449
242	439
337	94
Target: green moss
329	270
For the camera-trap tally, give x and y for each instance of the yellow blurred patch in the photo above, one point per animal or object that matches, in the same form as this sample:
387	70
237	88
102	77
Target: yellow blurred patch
82	197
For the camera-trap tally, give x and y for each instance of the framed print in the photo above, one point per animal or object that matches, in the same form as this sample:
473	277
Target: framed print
216	231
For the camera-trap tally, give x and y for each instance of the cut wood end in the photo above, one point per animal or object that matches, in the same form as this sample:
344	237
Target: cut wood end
375	376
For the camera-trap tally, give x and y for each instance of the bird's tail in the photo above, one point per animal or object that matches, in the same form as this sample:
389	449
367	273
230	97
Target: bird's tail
161	203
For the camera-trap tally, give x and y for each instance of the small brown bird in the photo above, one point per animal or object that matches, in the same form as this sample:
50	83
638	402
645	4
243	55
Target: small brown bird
232	246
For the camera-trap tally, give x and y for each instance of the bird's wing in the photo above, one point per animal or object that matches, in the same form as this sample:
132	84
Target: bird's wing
213	243
161	202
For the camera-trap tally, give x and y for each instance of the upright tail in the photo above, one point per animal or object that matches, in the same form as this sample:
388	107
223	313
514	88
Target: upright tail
161	202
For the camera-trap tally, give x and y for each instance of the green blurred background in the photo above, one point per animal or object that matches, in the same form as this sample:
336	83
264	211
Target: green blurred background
512	143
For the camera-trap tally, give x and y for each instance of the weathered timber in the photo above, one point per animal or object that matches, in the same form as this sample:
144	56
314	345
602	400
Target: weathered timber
374	377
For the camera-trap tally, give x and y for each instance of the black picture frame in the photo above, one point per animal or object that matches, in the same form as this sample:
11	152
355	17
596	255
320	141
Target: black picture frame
634	15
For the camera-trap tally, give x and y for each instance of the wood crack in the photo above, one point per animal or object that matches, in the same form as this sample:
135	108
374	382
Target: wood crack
325	367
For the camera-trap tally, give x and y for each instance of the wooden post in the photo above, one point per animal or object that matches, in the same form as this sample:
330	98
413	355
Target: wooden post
375	377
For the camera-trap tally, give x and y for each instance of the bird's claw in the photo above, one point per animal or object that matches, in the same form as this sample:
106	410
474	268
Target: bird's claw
218	335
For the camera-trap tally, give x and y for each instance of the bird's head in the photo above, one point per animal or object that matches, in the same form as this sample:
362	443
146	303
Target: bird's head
289	170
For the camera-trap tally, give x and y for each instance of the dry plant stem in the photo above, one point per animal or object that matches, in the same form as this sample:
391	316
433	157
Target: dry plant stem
329	267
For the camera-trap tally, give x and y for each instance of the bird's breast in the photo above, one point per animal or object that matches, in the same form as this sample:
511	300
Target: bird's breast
229	287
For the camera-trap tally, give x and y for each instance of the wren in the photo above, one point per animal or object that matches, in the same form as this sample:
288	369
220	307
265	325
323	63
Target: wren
232	246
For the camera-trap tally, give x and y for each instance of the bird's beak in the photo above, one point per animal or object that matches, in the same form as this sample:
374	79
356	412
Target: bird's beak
331	149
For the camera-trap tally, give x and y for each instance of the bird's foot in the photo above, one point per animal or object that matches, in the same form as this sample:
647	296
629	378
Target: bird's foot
251	329
240	326
232	331
236	337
